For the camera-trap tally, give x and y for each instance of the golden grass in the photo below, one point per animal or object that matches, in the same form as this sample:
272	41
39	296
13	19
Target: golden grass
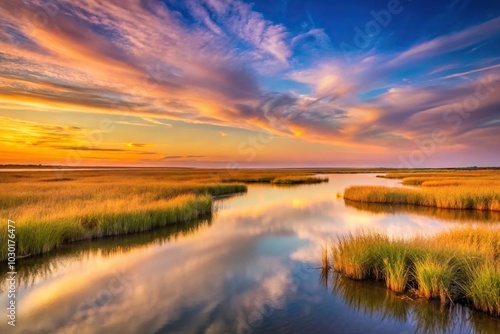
434	278
478	190
51	208
40	228
395	269
299	180
461	264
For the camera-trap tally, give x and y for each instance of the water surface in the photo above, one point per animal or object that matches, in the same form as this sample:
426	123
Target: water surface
251	268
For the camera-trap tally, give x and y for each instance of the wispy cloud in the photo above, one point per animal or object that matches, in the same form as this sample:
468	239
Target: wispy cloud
471	71
133	123
240	20
138	145
175	157
89	148
448	43
444	68
313	37
154	121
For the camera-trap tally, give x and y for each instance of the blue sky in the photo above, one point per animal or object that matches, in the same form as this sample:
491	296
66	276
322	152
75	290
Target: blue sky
359	83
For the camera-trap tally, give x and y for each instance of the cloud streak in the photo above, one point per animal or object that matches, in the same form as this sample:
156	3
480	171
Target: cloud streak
449	43
178	157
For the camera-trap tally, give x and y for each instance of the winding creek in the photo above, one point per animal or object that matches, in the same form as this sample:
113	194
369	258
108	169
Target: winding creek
251	268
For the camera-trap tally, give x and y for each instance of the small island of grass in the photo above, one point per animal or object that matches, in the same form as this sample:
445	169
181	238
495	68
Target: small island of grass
461	265
477	190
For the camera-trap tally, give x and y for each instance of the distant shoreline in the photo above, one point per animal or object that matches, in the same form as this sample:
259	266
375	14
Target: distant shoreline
364	169
49	167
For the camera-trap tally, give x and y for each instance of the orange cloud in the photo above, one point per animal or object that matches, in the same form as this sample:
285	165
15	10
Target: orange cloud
138	145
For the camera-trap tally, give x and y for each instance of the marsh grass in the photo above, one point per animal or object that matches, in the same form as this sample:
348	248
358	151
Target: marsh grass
434	278
458	265
277	178
478	190
299	180
35	236
440	197
360	256
52	208
483	287
396	268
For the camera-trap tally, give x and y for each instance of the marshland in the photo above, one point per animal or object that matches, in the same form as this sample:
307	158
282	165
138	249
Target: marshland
243	250
53	208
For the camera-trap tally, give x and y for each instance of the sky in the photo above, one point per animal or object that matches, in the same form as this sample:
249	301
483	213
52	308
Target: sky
234	84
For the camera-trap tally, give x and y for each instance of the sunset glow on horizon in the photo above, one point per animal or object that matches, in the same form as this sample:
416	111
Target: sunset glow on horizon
227	83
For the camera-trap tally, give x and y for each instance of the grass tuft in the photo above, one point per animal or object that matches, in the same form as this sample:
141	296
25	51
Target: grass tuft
484	288
457	265
299	180
435	278
396	269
